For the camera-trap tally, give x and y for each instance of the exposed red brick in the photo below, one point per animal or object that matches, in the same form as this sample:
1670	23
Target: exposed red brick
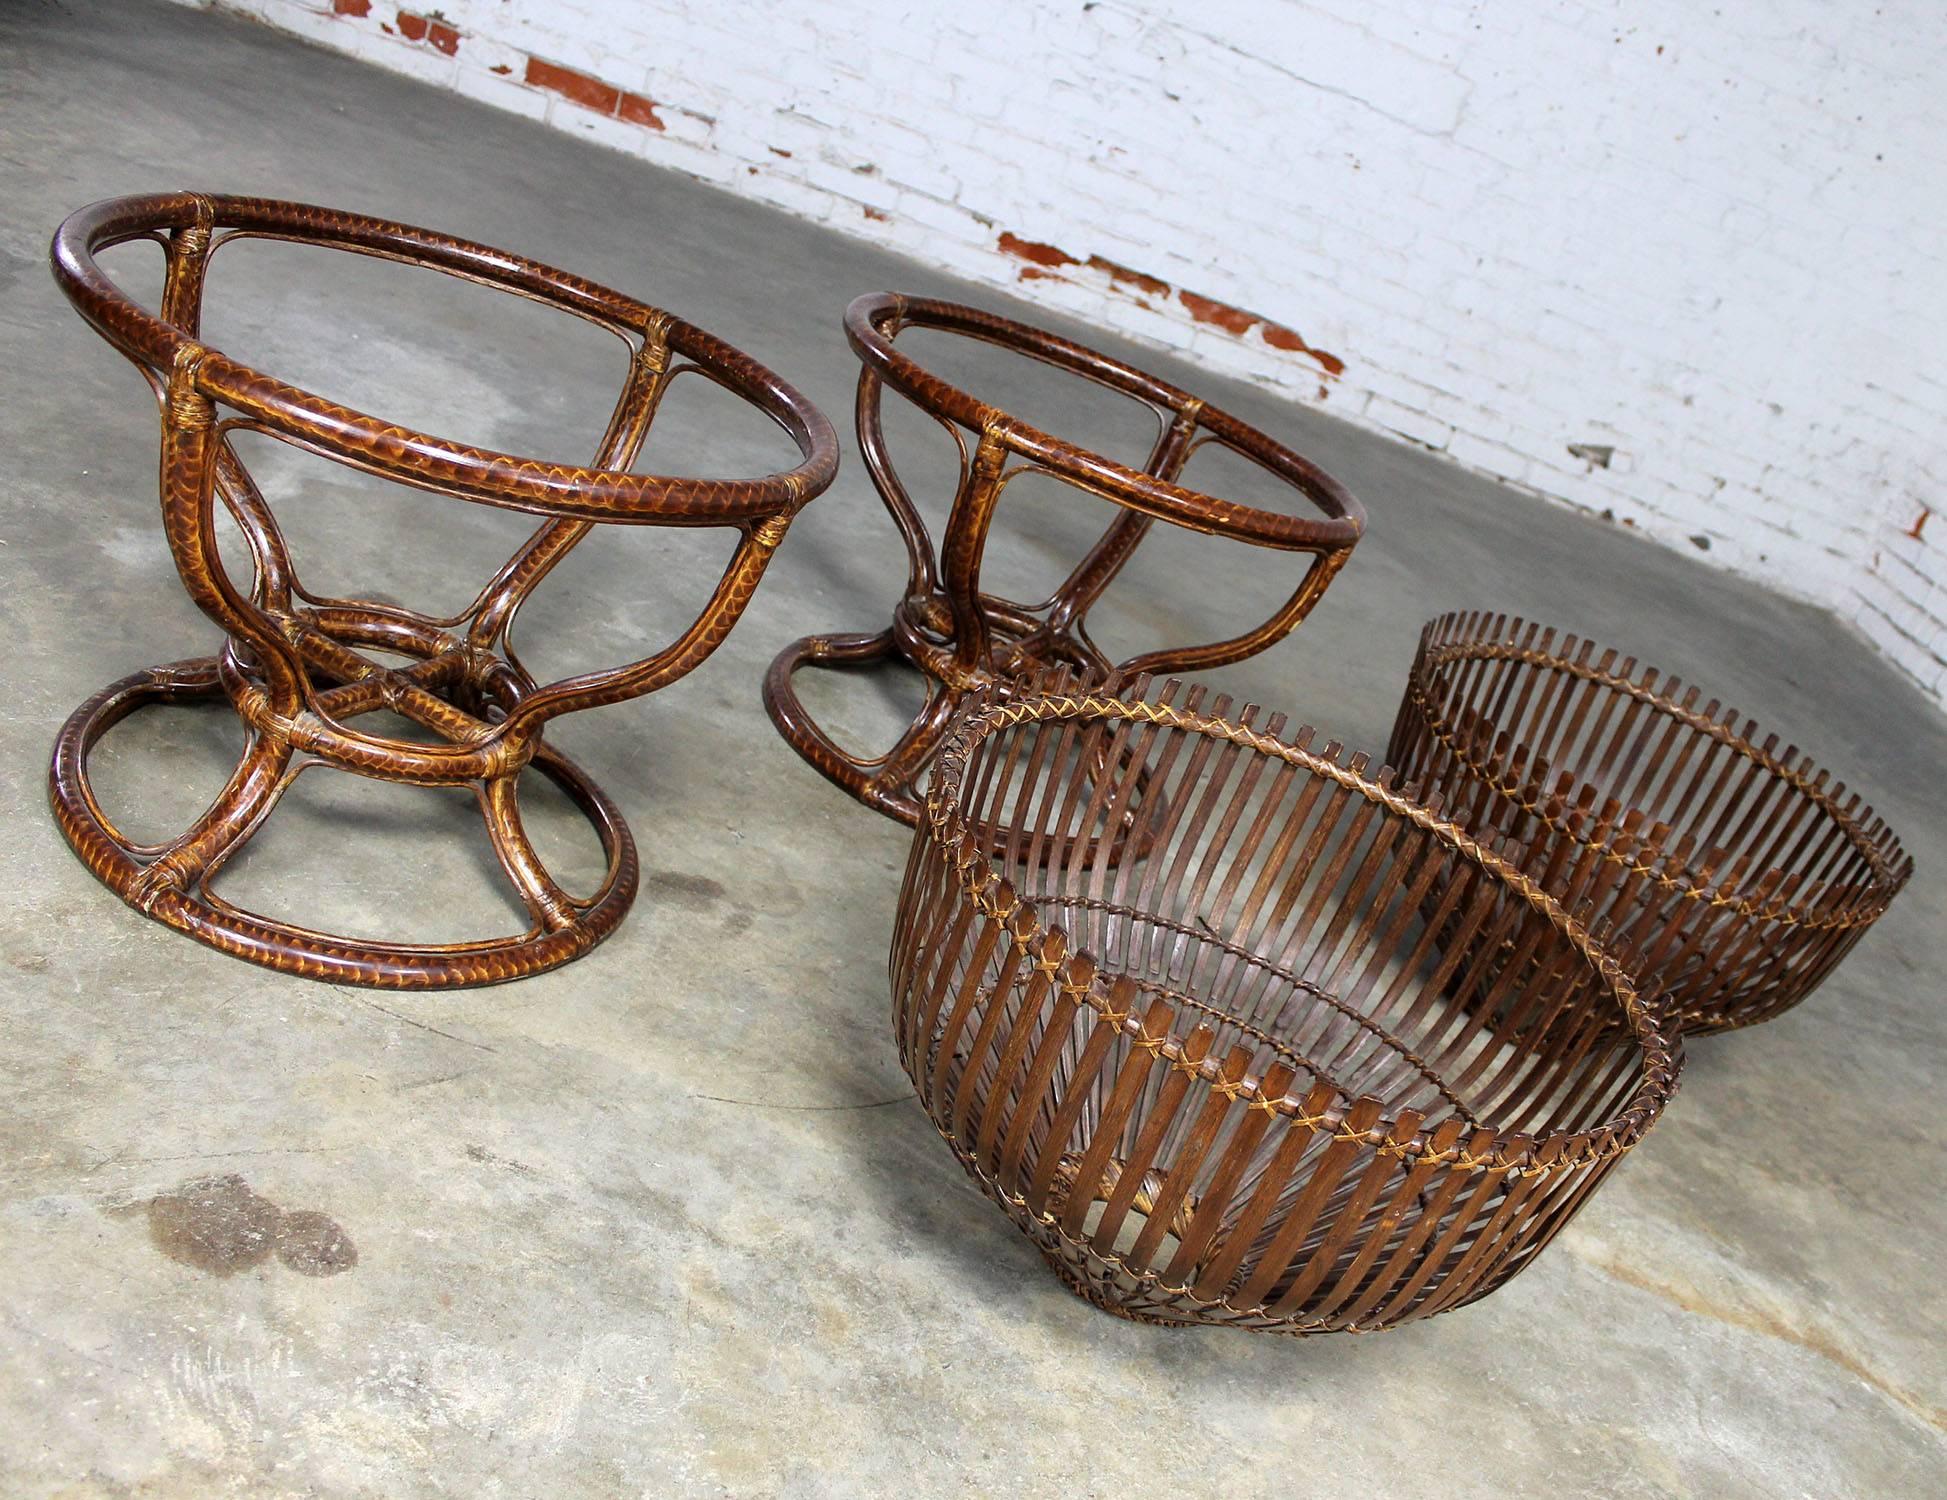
1038	273
1919	523
1034	252
411	27
877	216
444	37
1155	286
576	88
500	68
1280	337
1221	314
778	151
640	111
357	8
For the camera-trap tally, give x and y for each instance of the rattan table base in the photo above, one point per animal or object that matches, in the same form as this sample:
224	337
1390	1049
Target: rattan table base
300	670
960	637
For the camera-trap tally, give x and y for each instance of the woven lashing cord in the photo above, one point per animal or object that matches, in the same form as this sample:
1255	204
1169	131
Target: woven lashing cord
1872	898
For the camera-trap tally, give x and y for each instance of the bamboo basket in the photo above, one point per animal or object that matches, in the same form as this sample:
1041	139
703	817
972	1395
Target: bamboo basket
1165	984
1738	872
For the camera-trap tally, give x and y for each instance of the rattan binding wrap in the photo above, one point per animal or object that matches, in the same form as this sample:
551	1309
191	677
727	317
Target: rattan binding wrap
1234	1079
1739	872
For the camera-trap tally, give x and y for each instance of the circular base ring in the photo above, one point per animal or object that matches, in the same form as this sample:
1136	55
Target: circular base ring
195	912
887	785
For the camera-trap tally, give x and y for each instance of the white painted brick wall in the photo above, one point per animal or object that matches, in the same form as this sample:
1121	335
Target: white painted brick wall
1711	238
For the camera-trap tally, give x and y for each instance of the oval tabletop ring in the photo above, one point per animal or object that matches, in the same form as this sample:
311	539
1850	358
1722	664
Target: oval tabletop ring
959	636
296	666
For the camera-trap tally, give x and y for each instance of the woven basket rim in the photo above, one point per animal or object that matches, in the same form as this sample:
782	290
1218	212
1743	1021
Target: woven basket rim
1492	636
1325	1105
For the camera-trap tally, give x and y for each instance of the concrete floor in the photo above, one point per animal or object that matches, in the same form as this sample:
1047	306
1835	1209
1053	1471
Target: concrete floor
668	1222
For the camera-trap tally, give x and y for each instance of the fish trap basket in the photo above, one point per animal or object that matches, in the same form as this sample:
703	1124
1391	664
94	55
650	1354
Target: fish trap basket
1738	872
1167	984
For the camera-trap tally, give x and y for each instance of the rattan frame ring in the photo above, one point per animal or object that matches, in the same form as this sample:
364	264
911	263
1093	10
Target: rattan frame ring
1245	1084
1737	870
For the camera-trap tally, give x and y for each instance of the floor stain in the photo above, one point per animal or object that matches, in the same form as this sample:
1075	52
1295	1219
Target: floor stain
697	893
221	1226
314	1244
480	1153
678	889
216	1224
1755	1320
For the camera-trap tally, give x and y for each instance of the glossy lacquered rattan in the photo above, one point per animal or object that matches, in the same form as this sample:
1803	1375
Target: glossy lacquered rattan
962	638
1174	990
297	667
1738	871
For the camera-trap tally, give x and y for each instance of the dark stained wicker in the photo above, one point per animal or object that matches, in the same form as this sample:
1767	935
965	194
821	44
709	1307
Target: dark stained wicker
1233	1079
295	666
962	638
1738	872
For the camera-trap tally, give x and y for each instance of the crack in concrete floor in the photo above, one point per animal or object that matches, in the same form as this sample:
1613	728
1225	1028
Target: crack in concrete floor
1822	1342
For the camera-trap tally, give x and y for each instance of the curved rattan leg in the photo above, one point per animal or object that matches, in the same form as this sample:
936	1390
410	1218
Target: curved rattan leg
154	871
549	905
170	882
888	784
